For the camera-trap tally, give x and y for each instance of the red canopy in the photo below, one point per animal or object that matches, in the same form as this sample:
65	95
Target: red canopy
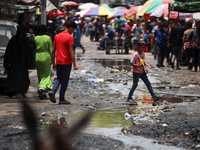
55	14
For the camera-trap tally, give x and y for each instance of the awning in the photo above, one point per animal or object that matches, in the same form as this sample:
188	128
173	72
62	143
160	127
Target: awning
187	6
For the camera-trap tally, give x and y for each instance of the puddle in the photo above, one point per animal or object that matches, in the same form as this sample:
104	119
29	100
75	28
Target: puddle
110	122
120	64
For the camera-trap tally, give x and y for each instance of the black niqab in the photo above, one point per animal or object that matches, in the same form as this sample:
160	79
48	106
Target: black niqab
21	38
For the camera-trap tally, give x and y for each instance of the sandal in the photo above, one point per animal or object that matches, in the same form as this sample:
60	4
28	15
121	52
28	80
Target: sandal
64	102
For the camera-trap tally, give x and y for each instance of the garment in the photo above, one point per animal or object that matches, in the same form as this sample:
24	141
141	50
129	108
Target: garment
154	30
110	36
125	32
118	22
176	35
176	54
128	29
137	33
175	38
160	38
194	36
63	74
44	61
136	77
185	36
136	60
77	41
62	42
161	50
120	32
15	63
63	62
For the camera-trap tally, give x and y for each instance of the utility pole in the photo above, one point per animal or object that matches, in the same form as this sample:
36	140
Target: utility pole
43	12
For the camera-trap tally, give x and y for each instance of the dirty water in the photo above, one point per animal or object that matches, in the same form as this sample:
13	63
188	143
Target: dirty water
120	64
110	122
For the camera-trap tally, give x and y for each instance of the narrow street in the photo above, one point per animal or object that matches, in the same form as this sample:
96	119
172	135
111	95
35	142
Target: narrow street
102	83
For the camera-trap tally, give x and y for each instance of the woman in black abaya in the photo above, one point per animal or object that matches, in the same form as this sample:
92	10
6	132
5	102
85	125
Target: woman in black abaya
15	62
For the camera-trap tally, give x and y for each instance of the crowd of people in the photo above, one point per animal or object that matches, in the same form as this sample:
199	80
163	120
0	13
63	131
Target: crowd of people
176	41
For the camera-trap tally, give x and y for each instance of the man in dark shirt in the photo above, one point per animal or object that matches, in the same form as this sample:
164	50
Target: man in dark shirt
175	40
161	43
194	39
108	36
120	35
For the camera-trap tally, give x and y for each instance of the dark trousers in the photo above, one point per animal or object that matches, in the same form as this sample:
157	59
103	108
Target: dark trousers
176	54
161	53
63	74
189	54
92	34
136	77
196	61
96	36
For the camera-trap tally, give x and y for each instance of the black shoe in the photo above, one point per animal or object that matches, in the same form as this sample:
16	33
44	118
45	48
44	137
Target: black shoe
42	95
172	65
52	97
162	66
156	100
158	65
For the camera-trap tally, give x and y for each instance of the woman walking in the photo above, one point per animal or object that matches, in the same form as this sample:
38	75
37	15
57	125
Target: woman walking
15	62
43	61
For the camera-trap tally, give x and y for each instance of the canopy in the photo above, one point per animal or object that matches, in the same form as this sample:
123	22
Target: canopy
132	11
99	11
55	13
69	4
119	12
87	6
150	6
163	10
187	6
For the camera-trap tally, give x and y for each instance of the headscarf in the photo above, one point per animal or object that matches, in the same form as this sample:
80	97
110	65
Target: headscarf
42	30
21	38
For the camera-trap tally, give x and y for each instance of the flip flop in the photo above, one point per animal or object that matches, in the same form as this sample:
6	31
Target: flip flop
64	102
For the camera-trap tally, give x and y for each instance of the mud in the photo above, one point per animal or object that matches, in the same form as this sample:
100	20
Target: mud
103	82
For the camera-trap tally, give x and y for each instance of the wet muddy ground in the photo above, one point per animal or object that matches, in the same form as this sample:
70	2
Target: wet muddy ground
103	82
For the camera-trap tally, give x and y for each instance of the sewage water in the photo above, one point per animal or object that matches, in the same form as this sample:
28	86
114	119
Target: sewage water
110	122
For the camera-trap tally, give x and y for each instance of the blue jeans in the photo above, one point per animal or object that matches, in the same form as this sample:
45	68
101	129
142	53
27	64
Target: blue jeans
145	79
102	42
63	74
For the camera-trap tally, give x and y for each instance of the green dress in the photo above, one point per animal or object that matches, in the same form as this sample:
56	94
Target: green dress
43	61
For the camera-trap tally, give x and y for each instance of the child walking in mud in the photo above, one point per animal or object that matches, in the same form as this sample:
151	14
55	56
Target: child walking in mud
139	71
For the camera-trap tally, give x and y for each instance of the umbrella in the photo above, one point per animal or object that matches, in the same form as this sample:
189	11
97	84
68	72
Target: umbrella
82	12
87	6
150	6
132	11
55	14
163	10
51	14
69	4
99	11
119	12
60	13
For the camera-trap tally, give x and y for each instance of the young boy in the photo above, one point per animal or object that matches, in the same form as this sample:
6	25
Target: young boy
138	63
63	51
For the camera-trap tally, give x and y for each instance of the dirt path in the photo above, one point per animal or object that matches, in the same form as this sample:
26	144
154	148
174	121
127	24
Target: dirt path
182	128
